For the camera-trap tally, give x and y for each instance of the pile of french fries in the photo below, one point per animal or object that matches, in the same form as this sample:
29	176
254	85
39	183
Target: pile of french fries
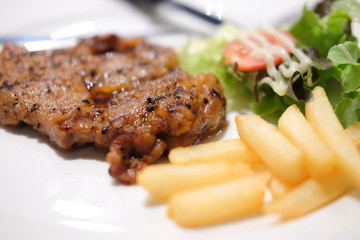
306	163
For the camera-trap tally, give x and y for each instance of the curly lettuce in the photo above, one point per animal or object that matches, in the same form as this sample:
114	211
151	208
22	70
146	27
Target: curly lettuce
346	60
327	39
205	55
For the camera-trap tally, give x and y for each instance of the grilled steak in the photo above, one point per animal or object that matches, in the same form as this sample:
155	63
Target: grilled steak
125	96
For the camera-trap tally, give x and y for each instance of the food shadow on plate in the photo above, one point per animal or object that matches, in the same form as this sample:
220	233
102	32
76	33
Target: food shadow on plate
355	194
152	202
215	136
88	152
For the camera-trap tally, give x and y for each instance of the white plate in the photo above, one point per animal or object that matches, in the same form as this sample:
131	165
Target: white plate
50	194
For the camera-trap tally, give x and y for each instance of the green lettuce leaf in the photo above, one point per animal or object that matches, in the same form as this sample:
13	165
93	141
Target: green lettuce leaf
349	78
321	33
346	58
347	53
351	7
309	31
348	109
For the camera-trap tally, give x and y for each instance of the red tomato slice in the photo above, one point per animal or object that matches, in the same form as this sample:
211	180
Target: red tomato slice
239	53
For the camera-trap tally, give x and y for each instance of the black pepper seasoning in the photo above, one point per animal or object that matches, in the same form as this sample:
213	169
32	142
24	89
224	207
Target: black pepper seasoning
85	100
104	130
150	108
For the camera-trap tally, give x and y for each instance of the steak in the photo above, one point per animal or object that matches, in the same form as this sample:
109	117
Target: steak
124	95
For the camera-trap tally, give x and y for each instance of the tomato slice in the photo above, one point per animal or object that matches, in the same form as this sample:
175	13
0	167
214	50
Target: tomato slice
239	53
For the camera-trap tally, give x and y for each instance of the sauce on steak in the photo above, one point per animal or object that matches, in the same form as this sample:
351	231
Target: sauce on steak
124	95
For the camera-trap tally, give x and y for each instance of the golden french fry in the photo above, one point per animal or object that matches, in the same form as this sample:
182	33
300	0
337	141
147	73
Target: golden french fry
260	169
217	203
278	188
163	180
229	150
283	158
353	131
319	159
309	195
322	117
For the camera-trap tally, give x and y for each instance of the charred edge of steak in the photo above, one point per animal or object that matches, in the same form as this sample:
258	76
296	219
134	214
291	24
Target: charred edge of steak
110	43
130	152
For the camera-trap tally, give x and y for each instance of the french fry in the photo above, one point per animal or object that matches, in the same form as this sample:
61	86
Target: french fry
229	150
217	203
353	131
163	180
309	195
278	188
319	159
224	180
261	169
322	117
283	158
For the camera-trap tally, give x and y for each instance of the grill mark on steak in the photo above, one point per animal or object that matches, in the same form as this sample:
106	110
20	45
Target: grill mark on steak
125	96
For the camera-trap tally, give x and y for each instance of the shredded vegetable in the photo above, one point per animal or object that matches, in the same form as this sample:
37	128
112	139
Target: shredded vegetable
325	38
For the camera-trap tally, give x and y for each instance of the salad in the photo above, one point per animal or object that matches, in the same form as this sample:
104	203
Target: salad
321	38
